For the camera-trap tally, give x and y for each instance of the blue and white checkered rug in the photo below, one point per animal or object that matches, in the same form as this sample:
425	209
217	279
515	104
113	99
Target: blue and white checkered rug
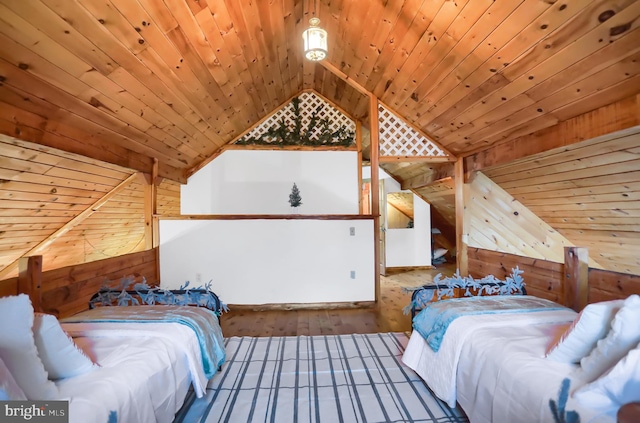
342	378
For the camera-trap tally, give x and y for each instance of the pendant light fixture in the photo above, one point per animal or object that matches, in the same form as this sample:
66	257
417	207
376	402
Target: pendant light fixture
315	39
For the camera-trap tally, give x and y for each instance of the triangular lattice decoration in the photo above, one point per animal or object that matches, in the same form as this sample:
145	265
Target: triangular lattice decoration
398	139
305	120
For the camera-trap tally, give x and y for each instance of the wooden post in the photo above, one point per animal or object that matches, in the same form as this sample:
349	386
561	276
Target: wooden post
150	207
575	281
462	236
359	147
30	279
375	189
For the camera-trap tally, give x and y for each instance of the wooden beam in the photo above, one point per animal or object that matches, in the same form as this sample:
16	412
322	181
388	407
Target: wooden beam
417	159
71	224
375	189
30	280
359	147
462	235
438	173
615	117
150	207
337	72
575	280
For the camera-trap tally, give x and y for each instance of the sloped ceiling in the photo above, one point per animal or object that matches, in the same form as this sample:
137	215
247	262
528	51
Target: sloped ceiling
128	81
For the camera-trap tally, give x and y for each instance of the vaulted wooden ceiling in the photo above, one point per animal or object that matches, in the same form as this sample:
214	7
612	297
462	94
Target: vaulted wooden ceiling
130	81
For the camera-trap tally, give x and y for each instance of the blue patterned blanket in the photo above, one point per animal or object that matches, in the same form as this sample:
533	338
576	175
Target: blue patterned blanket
202	321
432	322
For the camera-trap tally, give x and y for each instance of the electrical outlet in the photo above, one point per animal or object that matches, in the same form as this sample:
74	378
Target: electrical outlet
353	274
352	231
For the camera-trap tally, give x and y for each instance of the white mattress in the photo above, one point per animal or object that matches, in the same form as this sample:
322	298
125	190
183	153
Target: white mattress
145	371
494	367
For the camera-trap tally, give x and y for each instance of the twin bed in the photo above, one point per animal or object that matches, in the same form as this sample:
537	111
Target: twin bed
523	359
509	358
121	364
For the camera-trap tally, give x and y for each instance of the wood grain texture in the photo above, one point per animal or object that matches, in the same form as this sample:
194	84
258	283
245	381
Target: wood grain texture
586	191
122	84
178	80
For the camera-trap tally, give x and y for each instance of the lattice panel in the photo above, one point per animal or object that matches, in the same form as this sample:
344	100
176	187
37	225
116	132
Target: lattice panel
397	139
309	102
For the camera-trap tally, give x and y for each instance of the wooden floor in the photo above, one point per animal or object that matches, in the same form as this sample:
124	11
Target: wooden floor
386	317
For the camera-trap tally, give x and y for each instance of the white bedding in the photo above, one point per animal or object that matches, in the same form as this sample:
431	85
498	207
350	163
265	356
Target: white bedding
493	365
146	370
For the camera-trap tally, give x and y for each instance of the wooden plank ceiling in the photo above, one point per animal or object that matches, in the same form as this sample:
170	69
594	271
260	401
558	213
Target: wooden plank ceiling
126	81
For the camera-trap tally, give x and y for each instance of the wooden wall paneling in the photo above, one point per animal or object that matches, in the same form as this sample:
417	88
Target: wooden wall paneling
168	198
606	120
587	150
542	278
441	196
60	249
38	197
493	210
606	285
9	287
588	192
66	291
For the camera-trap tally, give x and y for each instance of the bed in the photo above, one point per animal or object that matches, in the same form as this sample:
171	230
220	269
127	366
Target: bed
121	364
515	358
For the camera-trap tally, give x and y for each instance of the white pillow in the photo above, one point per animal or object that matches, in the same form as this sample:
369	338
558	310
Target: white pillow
18	349
59	354
9	389
623	336
591	325
618	386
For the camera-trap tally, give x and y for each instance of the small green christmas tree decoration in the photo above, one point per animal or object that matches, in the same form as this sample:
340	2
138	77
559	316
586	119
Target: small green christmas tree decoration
294	198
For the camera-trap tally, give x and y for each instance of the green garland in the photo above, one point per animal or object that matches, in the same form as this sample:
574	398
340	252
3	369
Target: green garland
281	135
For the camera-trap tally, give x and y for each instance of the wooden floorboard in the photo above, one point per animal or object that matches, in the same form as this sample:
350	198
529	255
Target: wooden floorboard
387	316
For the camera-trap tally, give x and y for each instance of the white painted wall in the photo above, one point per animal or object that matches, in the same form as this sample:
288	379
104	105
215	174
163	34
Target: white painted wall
408	246
259	182
270	261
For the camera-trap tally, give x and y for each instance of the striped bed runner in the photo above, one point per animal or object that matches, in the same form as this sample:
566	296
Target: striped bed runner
338	378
